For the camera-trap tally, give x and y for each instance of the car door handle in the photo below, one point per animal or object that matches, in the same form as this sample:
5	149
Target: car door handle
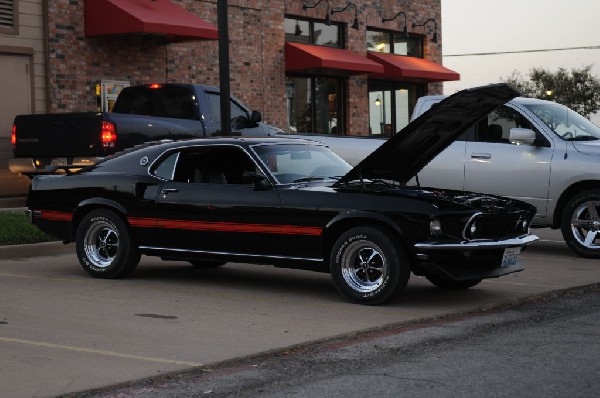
481	156
169	190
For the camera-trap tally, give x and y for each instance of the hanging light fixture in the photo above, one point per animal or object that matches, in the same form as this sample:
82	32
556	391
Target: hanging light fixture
434	38
327	17
355	24
377	101
405	30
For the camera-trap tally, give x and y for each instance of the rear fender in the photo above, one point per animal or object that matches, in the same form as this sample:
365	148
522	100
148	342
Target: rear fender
94	203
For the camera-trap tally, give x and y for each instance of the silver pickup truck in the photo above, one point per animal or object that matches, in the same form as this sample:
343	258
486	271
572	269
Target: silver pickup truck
534	150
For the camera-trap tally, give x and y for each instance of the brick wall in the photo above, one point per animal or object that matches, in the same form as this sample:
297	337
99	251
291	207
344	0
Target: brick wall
77	63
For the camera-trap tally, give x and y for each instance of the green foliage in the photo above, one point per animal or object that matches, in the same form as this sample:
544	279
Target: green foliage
577	89
15	229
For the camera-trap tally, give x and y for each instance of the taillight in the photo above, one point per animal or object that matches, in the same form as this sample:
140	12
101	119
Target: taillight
155	85
13	136
109	134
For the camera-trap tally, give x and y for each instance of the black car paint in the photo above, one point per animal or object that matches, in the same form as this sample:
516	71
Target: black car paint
299	219
289	225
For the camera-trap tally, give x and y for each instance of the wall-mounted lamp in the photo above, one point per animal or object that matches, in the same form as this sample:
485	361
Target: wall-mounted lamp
342	9
405	30
434	37
328	17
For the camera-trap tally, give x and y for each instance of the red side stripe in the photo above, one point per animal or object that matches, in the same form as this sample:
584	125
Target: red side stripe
56	215
224	226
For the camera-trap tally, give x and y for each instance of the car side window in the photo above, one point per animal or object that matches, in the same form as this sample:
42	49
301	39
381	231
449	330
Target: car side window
223	164
215	104
495	127
166	168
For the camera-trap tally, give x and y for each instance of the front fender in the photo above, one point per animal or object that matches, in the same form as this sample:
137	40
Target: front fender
344	221
362	217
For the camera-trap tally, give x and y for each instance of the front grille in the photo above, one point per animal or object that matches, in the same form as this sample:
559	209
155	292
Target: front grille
496	226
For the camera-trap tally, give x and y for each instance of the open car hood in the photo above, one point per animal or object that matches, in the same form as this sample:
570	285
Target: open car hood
402	156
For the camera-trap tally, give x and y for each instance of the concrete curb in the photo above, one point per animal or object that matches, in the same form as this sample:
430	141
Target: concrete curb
35	250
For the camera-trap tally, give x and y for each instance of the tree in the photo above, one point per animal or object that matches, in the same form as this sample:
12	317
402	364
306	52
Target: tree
577	89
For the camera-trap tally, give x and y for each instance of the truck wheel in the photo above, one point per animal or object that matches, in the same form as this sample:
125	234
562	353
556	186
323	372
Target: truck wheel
366	266
104	245
580	225
452	284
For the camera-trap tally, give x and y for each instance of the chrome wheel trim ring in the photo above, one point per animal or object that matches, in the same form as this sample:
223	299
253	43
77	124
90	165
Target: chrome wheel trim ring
585	225
364	267
101	244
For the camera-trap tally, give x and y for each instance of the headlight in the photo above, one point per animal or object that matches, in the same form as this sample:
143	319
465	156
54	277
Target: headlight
435	227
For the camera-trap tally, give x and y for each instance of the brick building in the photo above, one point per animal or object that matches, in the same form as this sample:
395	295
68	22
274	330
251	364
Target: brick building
328	66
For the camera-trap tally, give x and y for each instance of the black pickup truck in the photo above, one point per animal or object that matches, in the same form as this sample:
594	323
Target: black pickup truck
141	113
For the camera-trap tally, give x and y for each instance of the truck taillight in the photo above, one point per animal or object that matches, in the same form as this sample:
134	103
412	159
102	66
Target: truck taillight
13	136
109	135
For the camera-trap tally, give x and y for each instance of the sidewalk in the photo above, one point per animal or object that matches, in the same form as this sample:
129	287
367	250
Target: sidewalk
12	202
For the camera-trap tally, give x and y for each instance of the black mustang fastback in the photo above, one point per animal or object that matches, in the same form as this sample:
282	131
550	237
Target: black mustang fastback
292	203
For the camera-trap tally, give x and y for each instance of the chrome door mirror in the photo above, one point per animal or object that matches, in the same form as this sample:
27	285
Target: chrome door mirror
520	136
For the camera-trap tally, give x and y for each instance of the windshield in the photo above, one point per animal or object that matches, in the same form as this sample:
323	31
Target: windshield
566	123
291	163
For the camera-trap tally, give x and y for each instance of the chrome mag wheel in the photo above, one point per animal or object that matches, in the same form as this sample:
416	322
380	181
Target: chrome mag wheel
364	267
585	225
101	243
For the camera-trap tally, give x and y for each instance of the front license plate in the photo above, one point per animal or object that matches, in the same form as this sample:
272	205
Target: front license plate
511	256
58	161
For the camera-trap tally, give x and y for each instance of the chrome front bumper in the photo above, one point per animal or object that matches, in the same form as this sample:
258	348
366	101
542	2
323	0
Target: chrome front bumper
479	245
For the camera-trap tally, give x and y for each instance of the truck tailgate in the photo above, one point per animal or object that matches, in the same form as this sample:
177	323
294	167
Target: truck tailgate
59	135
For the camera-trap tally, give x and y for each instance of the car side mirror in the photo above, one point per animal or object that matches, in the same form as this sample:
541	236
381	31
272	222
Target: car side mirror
240	123
255	117
259	180
520	136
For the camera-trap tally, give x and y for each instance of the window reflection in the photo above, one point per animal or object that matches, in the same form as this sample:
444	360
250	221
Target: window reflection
311	32
390	106
314	105
394	43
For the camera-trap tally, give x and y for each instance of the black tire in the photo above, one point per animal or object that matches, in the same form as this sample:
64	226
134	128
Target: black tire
367	267
580	224
104	245
452	284
207	264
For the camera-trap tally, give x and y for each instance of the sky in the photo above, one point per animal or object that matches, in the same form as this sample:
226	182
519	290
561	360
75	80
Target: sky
484	26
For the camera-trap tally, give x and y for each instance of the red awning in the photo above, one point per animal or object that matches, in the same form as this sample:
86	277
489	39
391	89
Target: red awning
327	60
399	67
159	17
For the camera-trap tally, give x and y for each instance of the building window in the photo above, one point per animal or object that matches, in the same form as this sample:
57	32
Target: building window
315	104
391	103
312	32
9	17
390	106
394	43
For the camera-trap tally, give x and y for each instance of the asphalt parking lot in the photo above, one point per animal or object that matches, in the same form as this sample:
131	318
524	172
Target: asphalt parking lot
61	331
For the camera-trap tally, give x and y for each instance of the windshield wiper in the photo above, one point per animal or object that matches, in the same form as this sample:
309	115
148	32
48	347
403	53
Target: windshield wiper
311	178
582	138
